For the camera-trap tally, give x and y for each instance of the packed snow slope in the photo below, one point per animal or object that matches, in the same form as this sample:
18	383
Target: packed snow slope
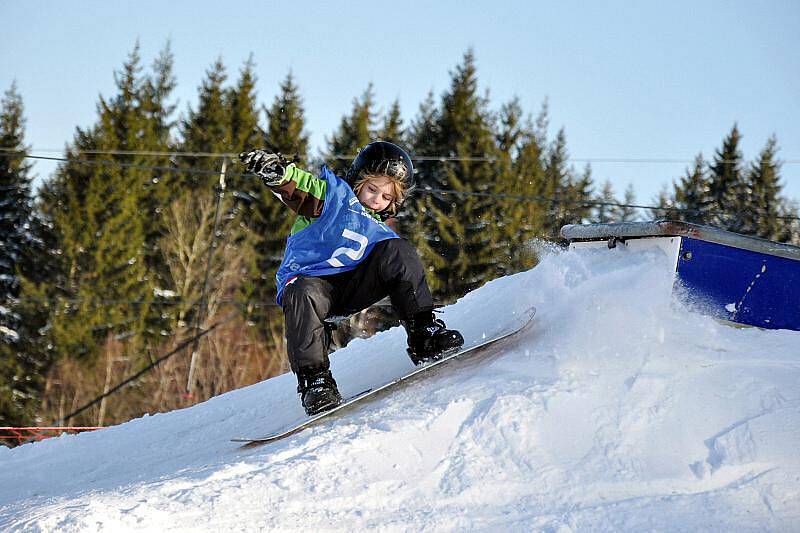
617	410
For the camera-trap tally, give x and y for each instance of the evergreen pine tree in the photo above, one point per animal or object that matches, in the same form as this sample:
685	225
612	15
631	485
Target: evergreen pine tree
95	213
693	194
606	213
790	222
506	219
156	92
764	188
726	185
15	208
571	196
286	123
625	213
579	194
207	130
245	128
461	224
530	167
664	207
418	214
392	129
557	183
21	362
529	170
519	173
423	138
161	187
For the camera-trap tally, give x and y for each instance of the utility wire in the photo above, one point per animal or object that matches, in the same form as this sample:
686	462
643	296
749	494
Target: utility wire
92	162
177	301
258	304
418	191
588	202
151	153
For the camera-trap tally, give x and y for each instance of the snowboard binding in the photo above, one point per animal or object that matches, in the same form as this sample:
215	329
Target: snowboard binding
318	391
429	339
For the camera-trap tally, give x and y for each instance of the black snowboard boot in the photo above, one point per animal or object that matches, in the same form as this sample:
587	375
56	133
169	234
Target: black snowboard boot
428	339
318	391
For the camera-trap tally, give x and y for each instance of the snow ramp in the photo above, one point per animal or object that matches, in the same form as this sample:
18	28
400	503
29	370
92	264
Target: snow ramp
618	410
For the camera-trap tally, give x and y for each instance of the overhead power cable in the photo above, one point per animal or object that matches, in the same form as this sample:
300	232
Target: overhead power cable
94	162
588	202
417	191
257	304
443	157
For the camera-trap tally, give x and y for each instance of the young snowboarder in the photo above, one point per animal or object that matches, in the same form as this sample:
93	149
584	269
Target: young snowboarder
341	257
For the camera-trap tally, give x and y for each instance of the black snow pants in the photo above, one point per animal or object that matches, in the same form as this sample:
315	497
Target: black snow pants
392	269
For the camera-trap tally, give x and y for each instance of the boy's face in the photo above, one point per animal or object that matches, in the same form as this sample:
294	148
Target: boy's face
377	193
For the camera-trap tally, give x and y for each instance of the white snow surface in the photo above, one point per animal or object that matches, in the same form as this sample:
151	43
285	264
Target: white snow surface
618	410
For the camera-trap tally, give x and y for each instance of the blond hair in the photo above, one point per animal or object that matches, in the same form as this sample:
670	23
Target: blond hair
398	188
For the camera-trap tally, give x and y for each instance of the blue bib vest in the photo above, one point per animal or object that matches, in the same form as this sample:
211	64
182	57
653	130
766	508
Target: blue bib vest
342	236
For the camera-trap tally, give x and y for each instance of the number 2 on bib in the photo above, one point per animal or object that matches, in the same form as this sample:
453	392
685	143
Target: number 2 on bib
353	253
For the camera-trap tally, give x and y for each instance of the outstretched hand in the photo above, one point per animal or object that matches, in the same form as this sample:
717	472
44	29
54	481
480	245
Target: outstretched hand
269	166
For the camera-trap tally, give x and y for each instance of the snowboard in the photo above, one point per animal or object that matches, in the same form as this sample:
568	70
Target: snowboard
519	323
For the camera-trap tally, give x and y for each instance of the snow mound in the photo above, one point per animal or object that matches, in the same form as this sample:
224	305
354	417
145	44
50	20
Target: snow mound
617	410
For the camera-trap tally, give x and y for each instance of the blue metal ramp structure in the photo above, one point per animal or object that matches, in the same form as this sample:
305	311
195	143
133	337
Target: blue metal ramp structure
732	277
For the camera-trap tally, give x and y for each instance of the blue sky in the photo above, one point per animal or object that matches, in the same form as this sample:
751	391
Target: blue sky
627	80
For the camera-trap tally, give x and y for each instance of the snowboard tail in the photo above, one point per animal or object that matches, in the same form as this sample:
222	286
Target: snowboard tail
524	321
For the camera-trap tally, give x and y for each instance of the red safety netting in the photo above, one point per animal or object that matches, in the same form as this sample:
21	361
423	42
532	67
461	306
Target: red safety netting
31	434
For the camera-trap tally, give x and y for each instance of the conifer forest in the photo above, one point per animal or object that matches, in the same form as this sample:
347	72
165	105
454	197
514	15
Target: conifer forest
139	276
